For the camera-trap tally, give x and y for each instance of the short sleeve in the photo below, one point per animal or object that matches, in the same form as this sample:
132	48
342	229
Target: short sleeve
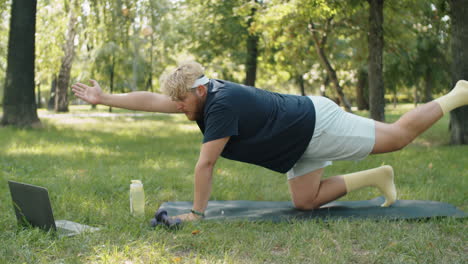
221	121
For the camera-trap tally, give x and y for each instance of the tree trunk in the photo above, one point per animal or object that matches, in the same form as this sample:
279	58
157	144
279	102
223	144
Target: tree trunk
149	84
135	66
415	96
251	65
111	78
39	103
61	97
319	44
376	44
154	21
301	82
53	91
252	54
324	86
334	79
459	116
362	90
19	103
428	84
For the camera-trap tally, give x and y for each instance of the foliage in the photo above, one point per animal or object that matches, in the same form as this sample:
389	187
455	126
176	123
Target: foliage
216	33
136	40
51	26
416	42
287	28
122	42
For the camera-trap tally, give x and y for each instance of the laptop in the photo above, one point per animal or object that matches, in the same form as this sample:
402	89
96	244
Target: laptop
33	209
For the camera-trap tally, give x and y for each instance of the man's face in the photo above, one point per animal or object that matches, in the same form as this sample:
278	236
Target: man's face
191	104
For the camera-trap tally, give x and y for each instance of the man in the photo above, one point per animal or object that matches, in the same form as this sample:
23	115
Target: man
291	134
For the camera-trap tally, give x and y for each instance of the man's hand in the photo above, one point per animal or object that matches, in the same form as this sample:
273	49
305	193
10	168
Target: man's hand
90	94
187	217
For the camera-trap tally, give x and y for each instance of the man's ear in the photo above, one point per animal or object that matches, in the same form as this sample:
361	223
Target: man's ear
202	90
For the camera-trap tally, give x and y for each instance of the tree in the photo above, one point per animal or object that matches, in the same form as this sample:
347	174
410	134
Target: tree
362	89
222	35
50	25
252	51
307	33
4	16
320	41
61	98
376	44
128	42
287	53
19	105
459	117
430	59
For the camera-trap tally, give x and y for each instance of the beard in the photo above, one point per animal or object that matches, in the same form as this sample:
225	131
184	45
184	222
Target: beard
197	114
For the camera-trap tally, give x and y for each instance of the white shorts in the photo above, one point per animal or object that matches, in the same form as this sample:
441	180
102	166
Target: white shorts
338	135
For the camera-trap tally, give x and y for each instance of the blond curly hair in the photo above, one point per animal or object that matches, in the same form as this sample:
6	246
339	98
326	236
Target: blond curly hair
179	81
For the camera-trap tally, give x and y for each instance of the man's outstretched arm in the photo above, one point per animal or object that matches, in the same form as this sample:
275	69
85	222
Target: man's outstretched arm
139	101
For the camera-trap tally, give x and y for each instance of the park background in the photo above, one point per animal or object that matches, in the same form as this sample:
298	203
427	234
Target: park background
376	58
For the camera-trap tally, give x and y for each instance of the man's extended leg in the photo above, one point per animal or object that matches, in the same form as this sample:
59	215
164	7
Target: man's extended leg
395	136
309	191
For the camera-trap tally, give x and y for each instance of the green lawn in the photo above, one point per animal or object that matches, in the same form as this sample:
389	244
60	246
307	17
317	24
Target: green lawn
87	163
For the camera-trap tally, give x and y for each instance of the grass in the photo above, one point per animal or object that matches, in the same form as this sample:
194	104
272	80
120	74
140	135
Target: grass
87	163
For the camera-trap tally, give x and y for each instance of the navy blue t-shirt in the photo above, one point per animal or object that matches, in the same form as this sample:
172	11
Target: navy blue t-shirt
268	129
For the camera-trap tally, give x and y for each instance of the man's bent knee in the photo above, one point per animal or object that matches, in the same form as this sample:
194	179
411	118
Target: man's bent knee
305	205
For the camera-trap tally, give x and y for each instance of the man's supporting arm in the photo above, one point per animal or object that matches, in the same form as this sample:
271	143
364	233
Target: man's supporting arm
209	154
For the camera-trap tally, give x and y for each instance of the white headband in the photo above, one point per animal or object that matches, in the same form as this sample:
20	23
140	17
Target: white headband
200	81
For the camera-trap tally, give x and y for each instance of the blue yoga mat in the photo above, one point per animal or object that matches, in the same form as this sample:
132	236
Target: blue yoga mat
284	211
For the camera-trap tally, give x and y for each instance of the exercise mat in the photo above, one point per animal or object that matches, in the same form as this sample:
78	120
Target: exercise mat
284	211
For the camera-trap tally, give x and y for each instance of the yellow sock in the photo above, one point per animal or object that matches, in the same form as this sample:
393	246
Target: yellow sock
381	177
456	98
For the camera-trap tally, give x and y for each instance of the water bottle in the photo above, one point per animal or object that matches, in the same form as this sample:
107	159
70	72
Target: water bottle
137	198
